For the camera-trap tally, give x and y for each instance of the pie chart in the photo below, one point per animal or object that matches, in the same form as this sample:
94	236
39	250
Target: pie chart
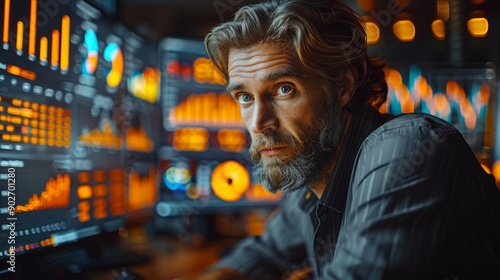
92	56
230	180
113	55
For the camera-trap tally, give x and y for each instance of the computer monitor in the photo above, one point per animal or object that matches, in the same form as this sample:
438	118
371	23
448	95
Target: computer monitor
78	134
463	96
204	162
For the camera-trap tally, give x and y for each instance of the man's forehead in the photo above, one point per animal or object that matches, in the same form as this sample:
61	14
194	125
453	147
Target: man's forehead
264	56
259	50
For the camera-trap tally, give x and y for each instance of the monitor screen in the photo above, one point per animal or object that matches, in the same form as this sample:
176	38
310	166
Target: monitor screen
78	125
462	96
204	161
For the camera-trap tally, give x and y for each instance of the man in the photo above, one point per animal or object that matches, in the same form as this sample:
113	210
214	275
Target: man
368	196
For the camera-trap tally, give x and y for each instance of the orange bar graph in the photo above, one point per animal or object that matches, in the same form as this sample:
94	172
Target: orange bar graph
6	21
65	43
30	75
32	30
59	38
104	137
55	195
142	189
43	49
19	38
137	139
207	109
54	56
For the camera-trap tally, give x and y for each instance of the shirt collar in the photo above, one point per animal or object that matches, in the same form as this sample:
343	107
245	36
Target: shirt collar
362	124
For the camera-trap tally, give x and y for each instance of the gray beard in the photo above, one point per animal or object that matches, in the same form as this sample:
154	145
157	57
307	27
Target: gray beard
306	167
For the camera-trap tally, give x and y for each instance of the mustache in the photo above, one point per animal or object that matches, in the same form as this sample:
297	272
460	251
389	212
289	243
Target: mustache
269	140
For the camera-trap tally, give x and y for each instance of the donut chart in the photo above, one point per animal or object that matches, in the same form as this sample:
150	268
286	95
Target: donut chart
113	54
91	58
230	180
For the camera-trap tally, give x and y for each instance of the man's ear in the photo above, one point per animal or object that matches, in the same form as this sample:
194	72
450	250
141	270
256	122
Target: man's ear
349	89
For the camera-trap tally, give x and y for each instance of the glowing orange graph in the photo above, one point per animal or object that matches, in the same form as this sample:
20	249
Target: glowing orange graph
96	198
204	72
142	189
137	139
29	122
55	195
191	139
102	138
407	100
60	46
207	109
233	140
145	85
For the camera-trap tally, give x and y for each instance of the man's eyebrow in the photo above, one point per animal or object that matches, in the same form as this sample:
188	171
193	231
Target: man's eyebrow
285	72
231	87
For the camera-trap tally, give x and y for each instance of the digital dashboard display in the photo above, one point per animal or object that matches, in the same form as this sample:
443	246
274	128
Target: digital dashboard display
79	104
461	96
204	159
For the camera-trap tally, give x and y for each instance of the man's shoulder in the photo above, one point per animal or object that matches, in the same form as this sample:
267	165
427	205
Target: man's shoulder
409	149
408	134
413	123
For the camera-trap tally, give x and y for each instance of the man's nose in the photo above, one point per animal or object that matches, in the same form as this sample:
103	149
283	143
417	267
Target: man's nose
264	117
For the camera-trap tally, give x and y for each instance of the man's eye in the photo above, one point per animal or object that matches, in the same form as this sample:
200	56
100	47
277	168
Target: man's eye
244	98
285	89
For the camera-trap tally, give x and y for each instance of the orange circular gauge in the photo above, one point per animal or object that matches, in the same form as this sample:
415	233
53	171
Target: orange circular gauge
230	180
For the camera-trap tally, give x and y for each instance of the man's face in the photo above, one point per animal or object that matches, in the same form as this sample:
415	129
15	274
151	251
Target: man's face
293	122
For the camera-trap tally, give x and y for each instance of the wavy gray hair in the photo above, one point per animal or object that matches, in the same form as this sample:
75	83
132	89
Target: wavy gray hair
327	37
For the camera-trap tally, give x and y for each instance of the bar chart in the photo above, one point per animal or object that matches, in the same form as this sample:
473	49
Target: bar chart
21	34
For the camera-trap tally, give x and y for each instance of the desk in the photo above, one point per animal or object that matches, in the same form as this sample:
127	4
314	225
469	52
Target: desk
171	258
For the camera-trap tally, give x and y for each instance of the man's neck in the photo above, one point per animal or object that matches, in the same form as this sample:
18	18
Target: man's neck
319	185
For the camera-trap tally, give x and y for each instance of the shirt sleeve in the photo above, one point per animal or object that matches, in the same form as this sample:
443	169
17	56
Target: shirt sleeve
406	205
278	249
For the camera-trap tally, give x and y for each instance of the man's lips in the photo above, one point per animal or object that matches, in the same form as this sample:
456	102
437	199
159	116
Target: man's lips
271	151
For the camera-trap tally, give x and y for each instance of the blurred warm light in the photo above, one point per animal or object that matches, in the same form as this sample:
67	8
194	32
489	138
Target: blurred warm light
438	29
372	32
84	192
442	106
407	103
486	168
403	3
422	88
233	140
496	172
393	77
452	89
404	30
468	114
455	92
478	27
366	5
383	109
142	189
191	139
443	9
257	192
204	72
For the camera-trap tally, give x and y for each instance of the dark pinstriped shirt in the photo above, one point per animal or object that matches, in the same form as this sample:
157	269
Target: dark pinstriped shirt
407	200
